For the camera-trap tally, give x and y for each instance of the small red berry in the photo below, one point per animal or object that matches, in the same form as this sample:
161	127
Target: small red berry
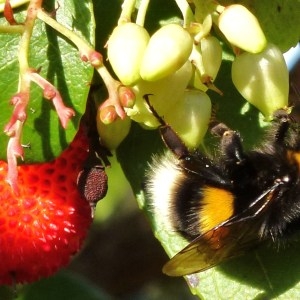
47	222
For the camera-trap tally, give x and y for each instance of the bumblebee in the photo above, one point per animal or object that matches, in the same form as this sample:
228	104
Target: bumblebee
226	204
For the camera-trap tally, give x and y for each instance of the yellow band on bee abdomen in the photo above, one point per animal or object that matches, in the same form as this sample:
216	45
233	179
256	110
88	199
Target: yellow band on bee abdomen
217	206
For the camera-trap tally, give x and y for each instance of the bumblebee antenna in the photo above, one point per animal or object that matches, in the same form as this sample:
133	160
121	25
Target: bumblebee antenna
153	111
169	136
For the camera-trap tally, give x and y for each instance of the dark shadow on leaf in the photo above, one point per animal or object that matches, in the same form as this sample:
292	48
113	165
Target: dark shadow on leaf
55	75
106	17
160	12
272	271
82	13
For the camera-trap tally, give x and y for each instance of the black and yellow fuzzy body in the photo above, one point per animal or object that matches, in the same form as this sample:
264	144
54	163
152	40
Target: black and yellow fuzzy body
227	204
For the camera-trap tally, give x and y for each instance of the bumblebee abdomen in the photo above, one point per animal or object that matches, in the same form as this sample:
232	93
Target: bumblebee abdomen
217	206
188	203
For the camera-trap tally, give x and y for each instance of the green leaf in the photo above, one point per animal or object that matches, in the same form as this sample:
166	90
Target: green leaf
60	64
280	21
62	286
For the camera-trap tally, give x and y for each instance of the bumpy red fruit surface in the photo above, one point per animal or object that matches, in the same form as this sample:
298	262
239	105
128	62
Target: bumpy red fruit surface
46	222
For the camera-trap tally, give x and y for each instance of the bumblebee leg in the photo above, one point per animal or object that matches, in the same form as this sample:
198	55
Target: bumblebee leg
231	145
282	130
169	136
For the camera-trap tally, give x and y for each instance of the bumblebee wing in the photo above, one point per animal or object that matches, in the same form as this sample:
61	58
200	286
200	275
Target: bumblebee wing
227	240
212	248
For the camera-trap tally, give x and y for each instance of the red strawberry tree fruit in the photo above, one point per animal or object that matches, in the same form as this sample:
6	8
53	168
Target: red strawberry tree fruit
49	166
46	220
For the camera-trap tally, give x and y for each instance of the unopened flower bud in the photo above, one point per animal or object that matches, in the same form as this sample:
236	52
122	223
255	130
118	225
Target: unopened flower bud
190	117
262	79
211	51
241	28
114	133
167	51
125	51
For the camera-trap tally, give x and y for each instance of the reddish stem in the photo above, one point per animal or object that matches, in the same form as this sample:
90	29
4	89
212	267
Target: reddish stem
51	93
